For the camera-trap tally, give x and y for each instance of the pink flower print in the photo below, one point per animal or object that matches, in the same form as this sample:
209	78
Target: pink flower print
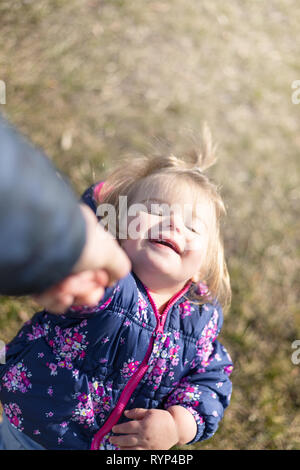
185	309
184	393
25	380
60	440
132	366
15	421
40	355
50	391
105	340
190	389
228	369
129	368
142	309
100	391
64	424
14	415
219	384
68	344
105	304
83	397
176	335
161	363
106	401
84	412
49	414
37	332
96	402
205	343
36	432
215	413
173	352
78	337
202	289
53	368
16	378
122	340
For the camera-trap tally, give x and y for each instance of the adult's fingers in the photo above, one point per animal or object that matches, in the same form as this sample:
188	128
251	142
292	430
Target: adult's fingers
55	305
90	299
101	250
110	256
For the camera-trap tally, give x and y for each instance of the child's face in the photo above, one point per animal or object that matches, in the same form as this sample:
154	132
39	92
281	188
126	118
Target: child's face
171	216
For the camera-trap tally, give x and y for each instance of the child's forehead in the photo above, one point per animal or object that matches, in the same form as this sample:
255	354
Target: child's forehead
171	189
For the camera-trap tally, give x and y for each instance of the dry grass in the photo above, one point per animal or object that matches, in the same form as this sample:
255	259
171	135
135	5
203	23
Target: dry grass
92	80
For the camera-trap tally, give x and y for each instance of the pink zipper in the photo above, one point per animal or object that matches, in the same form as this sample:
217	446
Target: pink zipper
138	375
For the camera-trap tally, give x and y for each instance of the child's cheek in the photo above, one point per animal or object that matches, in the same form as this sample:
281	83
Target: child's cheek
196	243
138	225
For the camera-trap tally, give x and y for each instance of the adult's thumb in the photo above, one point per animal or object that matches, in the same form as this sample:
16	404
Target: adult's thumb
101	250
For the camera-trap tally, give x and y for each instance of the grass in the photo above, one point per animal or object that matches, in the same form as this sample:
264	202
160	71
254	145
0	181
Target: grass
93	80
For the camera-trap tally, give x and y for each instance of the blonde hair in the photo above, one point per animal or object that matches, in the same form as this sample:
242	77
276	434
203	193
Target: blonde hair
129	173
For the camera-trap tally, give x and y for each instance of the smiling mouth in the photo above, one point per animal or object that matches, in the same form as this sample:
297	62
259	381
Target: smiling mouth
169	244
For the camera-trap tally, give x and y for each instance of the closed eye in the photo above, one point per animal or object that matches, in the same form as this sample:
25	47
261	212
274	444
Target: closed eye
157	212
157	209
192	229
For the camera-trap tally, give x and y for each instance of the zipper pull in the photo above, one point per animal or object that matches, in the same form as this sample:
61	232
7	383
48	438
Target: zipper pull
160	324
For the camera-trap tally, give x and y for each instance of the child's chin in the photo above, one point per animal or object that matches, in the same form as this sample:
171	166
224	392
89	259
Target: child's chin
159	266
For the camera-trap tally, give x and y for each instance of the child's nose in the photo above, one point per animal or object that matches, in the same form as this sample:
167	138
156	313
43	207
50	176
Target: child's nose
176	222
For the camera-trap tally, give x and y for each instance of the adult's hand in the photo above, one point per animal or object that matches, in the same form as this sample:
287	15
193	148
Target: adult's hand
101	264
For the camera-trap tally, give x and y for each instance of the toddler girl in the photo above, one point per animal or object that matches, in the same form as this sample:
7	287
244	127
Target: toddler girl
142	369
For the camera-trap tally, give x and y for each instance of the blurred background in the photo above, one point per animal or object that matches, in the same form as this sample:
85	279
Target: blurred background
92	80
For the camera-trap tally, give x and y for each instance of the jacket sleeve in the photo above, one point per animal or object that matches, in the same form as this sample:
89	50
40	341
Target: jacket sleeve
206	390
43	231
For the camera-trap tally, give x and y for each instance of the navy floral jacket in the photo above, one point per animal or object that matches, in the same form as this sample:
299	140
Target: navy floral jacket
68	378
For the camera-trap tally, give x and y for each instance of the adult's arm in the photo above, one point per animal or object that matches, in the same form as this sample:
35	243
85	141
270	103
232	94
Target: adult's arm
42	229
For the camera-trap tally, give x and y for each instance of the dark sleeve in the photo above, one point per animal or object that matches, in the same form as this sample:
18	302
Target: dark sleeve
42	230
